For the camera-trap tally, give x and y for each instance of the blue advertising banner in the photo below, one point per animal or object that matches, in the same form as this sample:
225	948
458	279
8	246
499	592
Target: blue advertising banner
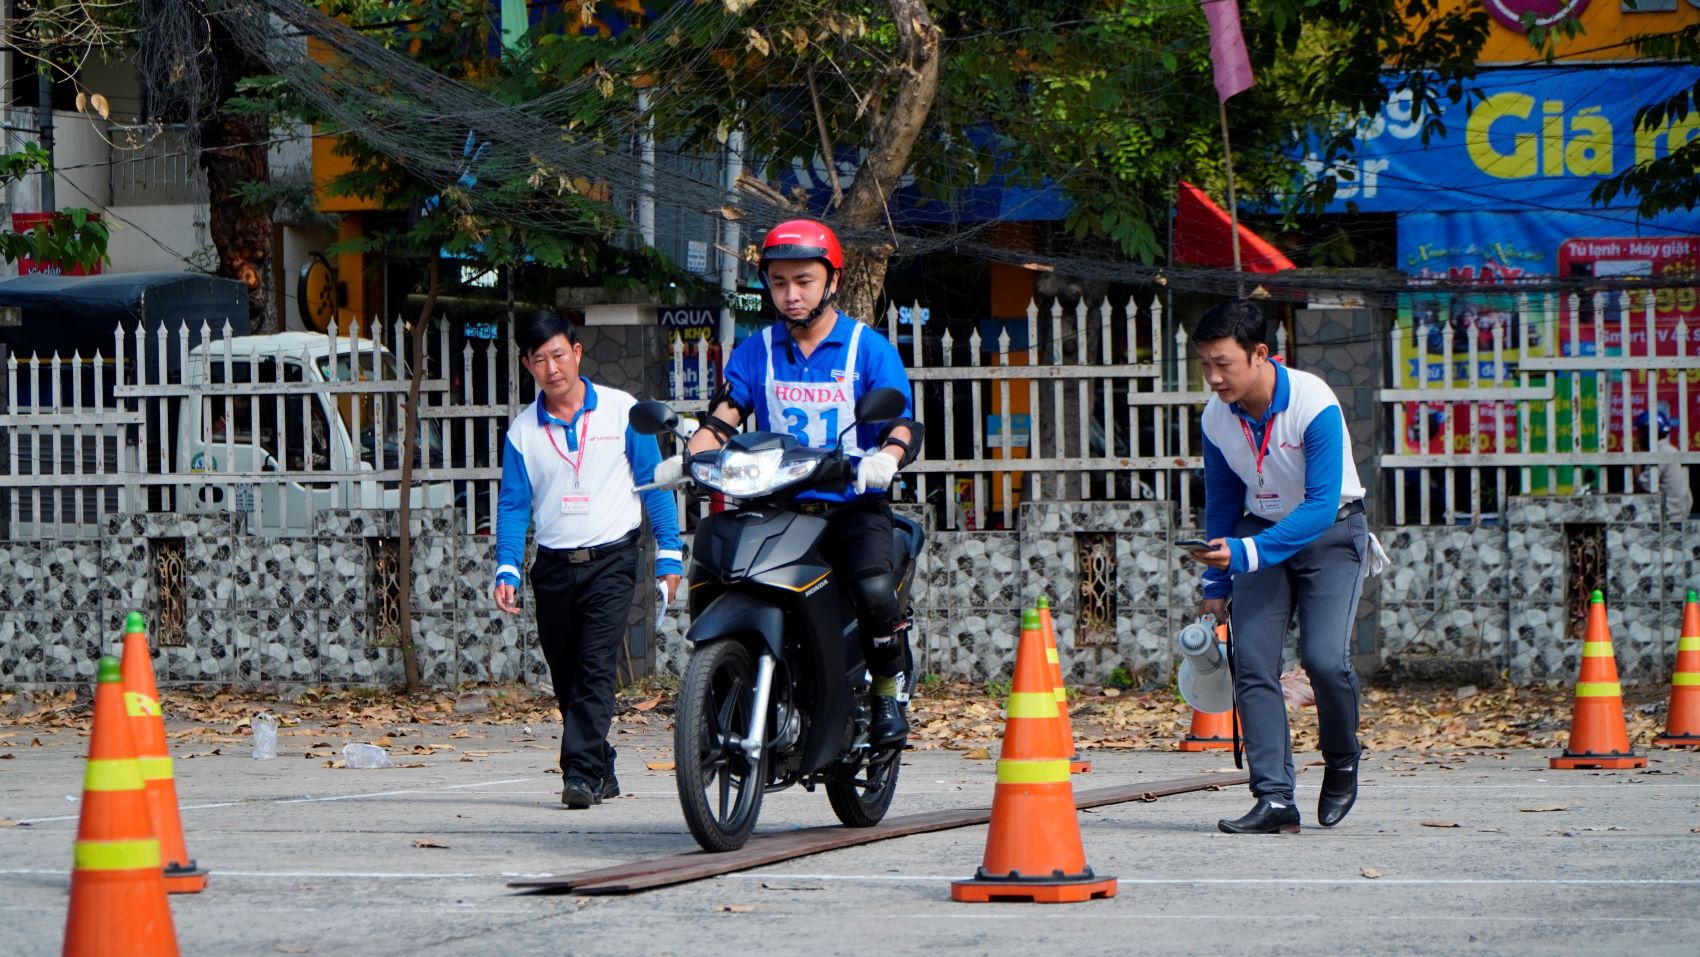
1493	246
1527	139
996	200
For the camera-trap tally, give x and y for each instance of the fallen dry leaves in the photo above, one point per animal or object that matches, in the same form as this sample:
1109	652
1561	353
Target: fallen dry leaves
1438	724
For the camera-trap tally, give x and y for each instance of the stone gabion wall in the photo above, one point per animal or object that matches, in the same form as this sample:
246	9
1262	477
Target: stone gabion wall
284	611
1503	592
299	612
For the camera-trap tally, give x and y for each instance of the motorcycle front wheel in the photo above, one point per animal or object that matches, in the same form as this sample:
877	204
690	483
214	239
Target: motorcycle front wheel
720	787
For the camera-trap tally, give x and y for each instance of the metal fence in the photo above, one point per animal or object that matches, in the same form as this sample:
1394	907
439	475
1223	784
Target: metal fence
1090	402
1493	395
276	428
1487	396
153	166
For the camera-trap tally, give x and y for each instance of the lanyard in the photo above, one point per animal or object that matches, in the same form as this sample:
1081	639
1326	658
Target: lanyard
583	432
1257	450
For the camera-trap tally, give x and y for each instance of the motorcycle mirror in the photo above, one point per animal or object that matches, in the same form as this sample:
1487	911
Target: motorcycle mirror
652	418
880	405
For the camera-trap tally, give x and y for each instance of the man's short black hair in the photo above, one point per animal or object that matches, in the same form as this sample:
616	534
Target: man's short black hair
541	326
1237	319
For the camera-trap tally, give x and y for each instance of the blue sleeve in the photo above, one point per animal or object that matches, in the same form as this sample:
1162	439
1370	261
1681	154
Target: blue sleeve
743	380
513	515
1224	503
644	455
1325	439
882	368
886	371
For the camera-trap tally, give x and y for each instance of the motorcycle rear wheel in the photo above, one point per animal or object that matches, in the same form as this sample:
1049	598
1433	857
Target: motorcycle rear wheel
720	788
863	800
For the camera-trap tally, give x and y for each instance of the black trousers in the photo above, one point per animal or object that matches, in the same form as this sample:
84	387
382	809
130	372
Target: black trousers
581	618
859	548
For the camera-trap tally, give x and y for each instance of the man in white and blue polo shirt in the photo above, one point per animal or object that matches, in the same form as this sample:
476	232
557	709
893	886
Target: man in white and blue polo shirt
570	464
803	375
1284	514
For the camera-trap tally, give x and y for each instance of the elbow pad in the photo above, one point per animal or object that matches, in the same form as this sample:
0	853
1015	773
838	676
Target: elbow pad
911	448
720	429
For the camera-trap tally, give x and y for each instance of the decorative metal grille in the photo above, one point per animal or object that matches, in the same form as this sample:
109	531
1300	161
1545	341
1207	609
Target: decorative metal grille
1585	551
170	582
1095	557
383	558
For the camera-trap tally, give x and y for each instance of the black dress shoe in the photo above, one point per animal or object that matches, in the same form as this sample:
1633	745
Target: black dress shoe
610	787
889	726
1265	817
579	793
1339	791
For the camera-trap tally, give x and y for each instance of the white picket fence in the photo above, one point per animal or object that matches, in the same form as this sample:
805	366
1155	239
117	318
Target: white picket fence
1101	405
1106	416
1549	411
284	426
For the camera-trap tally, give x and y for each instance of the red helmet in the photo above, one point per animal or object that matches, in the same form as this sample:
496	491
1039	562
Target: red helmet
802	239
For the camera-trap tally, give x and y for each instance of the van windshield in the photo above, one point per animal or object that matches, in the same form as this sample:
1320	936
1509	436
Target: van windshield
371	414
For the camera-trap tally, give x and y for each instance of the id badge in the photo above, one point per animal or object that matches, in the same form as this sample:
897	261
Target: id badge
1268	503
575	505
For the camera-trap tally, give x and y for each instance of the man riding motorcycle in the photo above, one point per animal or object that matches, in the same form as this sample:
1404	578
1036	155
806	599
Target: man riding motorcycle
802	375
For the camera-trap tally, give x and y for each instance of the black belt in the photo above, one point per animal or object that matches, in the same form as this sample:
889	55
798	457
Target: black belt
578	556
1349	509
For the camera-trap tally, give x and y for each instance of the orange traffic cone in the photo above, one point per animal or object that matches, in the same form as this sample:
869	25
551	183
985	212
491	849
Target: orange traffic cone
147	727
1047	628
1682	719
1033	849
1598	736
118	903
1212	732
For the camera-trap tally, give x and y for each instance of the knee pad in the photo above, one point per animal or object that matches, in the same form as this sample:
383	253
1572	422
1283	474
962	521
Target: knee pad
875	597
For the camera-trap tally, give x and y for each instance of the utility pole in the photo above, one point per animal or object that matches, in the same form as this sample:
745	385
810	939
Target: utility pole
44	118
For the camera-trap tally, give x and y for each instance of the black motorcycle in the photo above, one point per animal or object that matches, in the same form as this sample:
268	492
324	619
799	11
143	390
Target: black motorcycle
776	692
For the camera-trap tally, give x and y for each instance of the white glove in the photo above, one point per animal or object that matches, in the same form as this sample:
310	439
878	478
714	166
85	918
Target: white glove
669	470
1378	558
875	472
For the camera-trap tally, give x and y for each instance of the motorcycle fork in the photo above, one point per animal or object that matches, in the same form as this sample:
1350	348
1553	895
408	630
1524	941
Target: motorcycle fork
762	692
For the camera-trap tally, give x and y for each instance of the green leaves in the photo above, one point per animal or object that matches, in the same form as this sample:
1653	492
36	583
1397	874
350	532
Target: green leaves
73	238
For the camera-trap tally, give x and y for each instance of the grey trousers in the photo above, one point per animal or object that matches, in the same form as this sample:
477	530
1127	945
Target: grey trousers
1321	584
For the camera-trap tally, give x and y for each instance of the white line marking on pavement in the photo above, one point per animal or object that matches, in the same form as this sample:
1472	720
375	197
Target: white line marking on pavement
356	797
1073	916
1327	881
341	797
1531	786
308	875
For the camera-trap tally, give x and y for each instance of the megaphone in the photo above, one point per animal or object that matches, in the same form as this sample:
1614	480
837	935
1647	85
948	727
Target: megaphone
1204	679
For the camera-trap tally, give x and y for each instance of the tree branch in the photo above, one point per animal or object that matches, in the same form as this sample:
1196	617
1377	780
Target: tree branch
826	150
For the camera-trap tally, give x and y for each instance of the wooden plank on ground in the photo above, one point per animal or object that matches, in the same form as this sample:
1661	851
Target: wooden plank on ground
773	848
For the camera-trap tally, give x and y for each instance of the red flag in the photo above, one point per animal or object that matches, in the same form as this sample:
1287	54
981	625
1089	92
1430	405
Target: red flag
1227	48
1202	237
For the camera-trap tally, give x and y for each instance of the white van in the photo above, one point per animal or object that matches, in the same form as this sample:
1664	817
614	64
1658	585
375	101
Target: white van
276	420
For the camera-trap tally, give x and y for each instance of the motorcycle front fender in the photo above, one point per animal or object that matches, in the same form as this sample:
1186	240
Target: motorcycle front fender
736	612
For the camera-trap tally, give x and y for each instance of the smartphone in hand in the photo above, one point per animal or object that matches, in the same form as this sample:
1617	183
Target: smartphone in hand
1194	545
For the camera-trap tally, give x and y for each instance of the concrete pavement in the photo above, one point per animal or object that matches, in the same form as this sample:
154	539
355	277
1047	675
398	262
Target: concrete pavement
312	860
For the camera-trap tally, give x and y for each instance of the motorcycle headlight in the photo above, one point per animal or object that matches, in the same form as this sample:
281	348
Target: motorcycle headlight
750	474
